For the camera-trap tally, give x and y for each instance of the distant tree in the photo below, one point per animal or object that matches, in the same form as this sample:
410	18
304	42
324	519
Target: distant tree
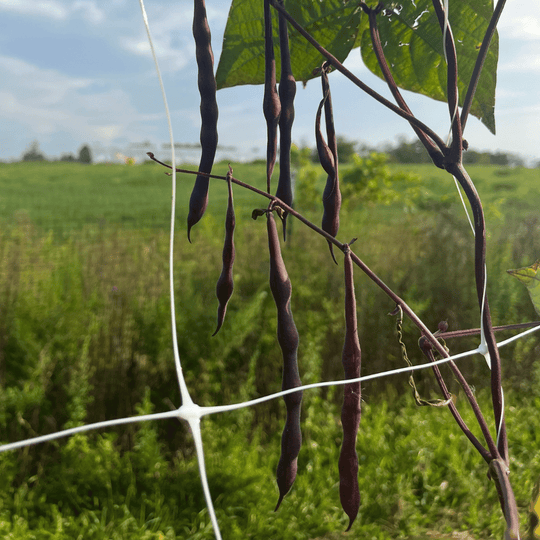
474	157
345	149
515	160
500	158
408	152
365	150
67	157
85	154
33	153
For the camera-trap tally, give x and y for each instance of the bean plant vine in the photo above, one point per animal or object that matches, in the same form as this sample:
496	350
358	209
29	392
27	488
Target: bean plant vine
278	110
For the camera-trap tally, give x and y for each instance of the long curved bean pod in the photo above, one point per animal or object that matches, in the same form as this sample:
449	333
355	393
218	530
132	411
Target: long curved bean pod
328	157
280	285
349	492
271	102
225	284
209	113
287	91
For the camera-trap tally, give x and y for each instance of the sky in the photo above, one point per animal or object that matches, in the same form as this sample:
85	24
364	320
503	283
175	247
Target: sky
76	72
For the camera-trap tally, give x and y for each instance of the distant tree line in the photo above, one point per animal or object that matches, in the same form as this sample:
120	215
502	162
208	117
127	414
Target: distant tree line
414	152
33	153
405	151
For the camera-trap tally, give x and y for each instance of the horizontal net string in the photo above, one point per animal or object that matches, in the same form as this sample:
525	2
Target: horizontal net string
194	411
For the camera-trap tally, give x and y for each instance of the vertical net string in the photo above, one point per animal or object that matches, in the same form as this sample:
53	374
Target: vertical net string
184	392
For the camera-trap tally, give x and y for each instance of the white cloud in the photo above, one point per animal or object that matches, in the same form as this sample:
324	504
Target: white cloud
55	9
47	102
39	8
171	35
171	28
528	61
171	56
89	11
46	86
107	132
519	24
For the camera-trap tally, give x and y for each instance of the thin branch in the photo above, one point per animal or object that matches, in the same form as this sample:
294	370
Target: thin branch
518	336
433	150
410	313
453	409
480	59
476	331
276	201
493	452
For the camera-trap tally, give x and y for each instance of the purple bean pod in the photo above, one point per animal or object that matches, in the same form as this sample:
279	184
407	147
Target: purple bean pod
349	492
287	92
326	157
332	194
287	334
271	102
209	113
225	283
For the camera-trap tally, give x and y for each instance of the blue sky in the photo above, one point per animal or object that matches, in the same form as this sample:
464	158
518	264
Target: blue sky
80	71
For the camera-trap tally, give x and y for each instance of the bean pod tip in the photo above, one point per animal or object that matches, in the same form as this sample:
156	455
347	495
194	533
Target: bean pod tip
281	496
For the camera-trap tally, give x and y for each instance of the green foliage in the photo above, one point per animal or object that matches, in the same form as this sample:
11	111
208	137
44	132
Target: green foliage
85	336
413	481
530	277
333	23
409	32
300	156
365	180
370	180
306	179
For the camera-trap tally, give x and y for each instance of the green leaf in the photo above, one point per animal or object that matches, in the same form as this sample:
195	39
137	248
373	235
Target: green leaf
530	277
411	39
412	43
333	23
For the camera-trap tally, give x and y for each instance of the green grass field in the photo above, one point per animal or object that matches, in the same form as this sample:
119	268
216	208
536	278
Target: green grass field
68	196
85	336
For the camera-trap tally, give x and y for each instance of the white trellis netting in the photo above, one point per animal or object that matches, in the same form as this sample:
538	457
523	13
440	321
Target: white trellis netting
190	411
